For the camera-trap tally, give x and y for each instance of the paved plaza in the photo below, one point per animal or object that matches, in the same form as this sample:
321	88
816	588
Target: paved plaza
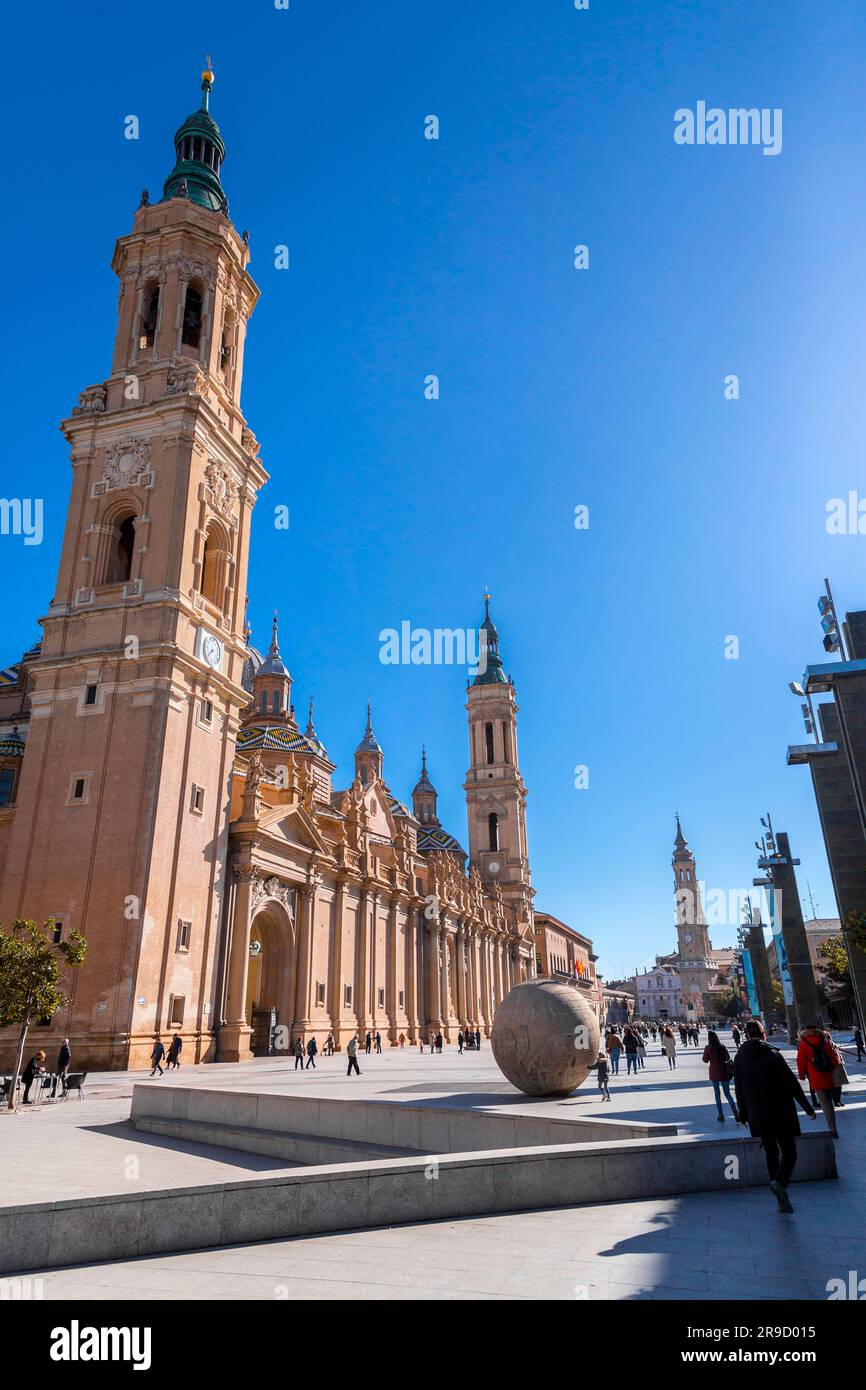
696	1246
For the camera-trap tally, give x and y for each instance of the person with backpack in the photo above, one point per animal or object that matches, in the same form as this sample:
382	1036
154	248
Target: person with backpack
721	1074
817	1059
767	1094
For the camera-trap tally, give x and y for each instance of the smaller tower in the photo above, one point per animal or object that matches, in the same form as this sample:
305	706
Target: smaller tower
368	754
425	796
695	964
272	684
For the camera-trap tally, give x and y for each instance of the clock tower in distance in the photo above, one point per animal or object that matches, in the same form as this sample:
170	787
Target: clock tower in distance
695	963
121	824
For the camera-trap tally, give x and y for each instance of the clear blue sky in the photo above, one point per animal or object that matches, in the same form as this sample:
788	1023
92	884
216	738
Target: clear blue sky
558	387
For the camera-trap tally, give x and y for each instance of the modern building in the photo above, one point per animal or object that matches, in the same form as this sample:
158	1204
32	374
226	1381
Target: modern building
158	792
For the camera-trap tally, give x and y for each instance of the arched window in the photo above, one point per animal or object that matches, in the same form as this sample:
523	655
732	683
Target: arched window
192	309
488	735
275	702
227	340
149	316
506	741
493	830
118	570
214	562
263	702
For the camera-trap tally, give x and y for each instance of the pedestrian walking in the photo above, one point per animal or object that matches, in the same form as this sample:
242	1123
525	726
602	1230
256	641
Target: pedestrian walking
817	1060
156	1056
352	1054
478	1039
601	1067
858	1043
768	1094
614	1047
736	1034
378	1042
721	1073
64	1057
402	1039
669	1048
439	1042
460	1044
641	1052
172	1057
630	1042
312	1049
329	1045
299	1054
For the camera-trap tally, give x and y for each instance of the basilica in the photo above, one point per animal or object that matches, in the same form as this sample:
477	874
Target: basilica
156	790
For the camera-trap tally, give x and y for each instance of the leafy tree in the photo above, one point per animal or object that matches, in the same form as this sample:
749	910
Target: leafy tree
836	971
778	997
731	1004
30	962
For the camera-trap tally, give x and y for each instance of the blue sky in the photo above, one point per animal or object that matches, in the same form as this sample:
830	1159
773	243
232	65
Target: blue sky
558	387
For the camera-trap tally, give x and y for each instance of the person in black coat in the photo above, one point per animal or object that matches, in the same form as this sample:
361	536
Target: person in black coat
35	1067
64	1057
768	1093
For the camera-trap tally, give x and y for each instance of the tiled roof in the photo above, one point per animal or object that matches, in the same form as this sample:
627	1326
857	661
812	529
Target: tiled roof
398	809
275	739
433	837
9	675
12	745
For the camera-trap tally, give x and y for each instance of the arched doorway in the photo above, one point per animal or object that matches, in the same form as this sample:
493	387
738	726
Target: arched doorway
271	977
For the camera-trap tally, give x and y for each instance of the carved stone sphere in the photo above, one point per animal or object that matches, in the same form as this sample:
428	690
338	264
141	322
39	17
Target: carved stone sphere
545	1038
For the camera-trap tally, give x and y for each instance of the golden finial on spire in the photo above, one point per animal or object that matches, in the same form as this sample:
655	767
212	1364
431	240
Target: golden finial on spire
208	74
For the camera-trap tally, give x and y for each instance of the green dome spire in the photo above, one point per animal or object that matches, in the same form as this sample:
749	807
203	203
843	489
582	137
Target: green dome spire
200	153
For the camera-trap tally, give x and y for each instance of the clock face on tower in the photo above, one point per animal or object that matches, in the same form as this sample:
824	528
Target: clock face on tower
687	938
493	866
209	648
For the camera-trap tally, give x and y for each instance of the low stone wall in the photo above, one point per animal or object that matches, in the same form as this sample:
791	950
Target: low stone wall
356	1196
393	1128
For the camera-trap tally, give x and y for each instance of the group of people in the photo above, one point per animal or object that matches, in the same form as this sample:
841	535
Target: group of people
171	1057
36	1068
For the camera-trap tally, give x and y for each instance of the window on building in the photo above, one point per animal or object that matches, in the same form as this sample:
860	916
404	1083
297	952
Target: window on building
192	310
215	555
207	711
506	741
400	999
176	1007
263	702
184	934
57	934
347	996
276	702
320	993
90	695
196	799
149	317
121	550
7	785
493	830
79	786
488	737
381	999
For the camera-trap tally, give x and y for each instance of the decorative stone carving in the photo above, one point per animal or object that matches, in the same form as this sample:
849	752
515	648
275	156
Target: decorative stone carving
127	462
221	488
544	1038
187	379
250	443
91	401
273	888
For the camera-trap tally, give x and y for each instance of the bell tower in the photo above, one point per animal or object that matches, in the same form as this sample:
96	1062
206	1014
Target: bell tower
695	965
120	827
495	790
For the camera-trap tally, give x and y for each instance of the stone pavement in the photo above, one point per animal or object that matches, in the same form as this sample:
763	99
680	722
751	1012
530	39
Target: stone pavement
705	1245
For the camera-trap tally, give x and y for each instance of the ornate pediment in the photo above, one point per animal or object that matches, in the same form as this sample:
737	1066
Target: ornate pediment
126	463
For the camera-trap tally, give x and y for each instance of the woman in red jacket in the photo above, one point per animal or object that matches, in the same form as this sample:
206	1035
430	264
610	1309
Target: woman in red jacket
816	1060
720	1062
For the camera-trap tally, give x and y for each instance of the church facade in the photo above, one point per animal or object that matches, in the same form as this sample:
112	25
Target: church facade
156	790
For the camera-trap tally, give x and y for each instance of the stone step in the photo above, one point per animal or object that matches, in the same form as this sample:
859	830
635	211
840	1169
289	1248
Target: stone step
305	1149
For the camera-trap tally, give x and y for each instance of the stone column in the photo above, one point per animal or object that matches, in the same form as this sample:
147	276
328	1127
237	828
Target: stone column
433	968
336	961
361	977
303	986
473	977
444	961
411	949
234	1036
391	978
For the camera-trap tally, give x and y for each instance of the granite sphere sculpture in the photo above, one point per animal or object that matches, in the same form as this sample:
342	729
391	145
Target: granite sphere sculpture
545	1037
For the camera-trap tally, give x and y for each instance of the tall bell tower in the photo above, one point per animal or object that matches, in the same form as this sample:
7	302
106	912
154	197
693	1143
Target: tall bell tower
695	965
495	790
120	827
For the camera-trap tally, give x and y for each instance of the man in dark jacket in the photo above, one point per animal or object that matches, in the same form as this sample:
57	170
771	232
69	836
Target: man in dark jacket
64	1057
767	1090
